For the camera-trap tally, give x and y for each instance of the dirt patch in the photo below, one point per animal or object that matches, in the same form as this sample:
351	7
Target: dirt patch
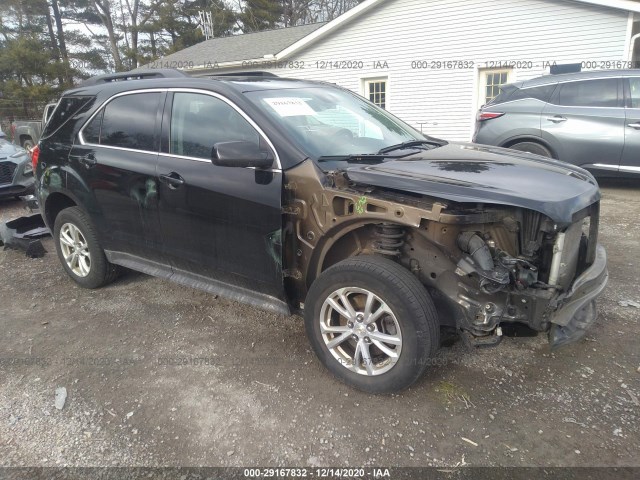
160	374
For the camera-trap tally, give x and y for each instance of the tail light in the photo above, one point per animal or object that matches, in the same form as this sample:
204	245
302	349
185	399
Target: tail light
482	116
35	153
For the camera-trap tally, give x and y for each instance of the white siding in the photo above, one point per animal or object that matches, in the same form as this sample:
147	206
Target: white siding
402	31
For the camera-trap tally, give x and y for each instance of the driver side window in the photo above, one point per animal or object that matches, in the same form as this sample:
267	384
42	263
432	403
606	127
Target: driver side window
200	121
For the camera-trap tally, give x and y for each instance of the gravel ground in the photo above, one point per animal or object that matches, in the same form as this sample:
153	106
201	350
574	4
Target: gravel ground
162	375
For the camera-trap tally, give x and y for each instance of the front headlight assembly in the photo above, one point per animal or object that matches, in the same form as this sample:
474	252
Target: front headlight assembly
28	168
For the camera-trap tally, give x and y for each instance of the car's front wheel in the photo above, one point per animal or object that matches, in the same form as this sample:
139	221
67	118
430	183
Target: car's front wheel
79	251
372	324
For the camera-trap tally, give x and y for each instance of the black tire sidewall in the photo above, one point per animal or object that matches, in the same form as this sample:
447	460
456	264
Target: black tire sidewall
99	265
416	349
532	147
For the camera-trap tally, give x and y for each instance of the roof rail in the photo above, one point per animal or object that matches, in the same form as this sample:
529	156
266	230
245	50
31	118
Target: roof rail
134	75
256	73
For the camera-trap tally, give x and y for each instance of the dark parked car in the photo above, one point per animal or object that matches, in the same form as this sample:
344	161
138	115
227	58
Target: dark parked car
298	196
16	171
590	119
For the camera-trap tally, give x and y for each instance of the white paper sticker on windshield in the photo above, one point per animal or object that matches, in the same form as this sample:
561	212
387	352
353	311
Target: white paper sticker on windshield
289	106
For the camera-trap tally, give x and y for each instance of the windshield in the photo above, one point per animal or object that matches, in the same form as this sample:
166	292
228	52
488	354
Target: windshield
330	122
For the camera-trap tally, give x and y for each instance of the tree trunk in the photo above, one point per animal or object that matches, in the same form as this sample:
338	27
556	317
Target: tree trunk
62	44
152	40
104	12
55	51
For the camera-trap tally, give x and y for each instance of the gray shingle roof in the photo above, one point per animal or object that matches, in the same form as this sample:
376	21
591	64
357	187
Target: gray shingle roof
248	46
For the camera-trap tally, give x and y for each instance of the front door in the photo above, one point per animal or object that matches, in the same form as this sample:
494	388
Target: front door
219	223
116	160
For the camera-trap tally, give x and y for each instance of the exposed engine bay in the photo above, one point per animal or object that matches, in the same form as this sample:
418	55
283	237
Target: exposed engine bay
483	264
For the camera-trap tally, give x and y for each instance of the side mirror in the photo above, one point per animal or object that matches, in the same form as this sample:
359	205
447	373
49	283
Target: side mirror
240	154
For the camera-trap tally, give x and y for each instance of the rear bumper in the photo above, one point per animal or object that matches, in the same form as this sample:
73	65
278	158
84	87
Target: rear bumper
576	311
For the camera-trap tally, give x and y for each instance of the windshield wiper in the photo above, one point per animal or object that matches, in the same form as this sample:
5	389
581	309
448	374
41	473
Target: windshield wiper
359	157
410	144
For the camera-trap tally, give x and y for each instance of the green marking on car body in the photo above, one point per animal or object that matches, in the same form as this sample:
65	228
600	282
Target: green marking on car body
361	205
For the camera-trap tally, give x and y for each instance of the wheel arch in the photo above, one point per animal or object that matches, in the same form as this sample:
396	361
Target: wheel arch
54	204
344	242
530	138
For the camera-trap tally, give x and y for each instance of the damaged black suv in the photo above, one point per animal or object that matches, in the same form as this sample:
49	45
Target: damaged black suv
302	197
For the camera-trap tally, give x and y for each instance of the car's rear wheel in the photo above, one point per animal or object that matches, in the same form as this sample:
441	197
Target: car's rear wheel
372	324
531	147
28	144
79	251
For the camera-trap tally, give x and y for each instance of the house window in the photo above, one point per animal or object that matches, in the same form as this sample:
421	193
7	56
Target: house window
490	83
376	91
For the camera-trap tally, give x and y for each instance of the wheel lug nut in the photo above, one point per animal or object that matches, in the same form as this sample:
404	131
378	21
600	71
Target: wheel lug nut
354	337
367	340
370	327
350	324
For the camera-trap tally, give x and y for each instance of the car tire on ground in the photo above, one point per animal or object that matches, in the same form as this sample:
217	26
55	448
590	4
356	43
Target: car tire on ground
372	324
27	144
79	251
531	147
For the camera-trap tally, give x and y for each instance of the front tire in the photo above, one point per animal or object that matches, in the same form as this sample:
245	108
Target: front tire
372	324
79	251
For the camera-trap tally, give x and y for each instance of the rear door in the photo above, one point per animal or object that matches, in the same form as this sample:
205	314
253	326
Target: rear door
630	161
116	159
219	223
584	122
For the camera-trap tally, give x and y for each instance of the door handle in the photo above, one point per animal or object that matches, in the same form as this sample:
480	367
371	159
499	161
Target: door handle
634	125
88	160
557	119
172	179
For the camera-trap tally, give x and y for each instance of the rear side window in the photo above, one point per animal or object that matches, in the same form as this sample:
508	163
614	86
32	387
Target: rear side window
66	109
589	93
506	91
127	122
542	93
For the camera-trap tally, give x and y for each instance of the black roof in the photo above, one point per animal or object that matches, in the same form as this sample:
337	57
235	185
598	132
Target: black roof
169	78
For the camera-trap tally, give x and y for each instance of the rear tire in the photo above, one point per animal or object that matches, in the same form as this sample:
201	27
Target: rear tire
28	144
532	147
79	251
382	348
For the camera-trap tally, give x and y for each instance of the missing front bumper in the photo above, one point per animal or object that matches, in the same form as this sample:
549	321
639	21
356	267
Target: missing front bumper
578	311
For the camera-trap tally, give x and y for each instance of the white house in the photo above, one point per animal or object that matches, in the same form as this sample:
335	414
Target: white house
433	62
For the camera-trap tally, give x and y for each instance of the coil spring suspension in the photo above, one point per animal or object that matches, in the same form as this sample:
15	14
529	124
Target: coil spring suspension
389	239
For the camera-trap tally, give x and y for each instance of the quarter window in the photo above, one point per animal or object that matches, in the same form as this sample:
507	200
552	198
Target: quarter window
91	133
589	93
198	122
127	121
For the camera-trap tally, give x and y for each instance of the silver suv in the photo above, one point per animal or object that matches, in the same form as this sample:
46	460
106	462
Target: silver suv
590	119
16	170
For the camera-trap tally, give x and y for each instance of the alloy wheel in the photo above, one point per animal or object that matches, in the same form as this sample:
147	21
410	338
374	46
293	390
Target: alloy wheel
360	331
75	250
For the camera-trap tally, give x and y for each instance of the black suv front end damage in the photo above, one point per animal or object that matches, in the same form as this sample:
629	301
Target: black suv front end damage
484	264
548	282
